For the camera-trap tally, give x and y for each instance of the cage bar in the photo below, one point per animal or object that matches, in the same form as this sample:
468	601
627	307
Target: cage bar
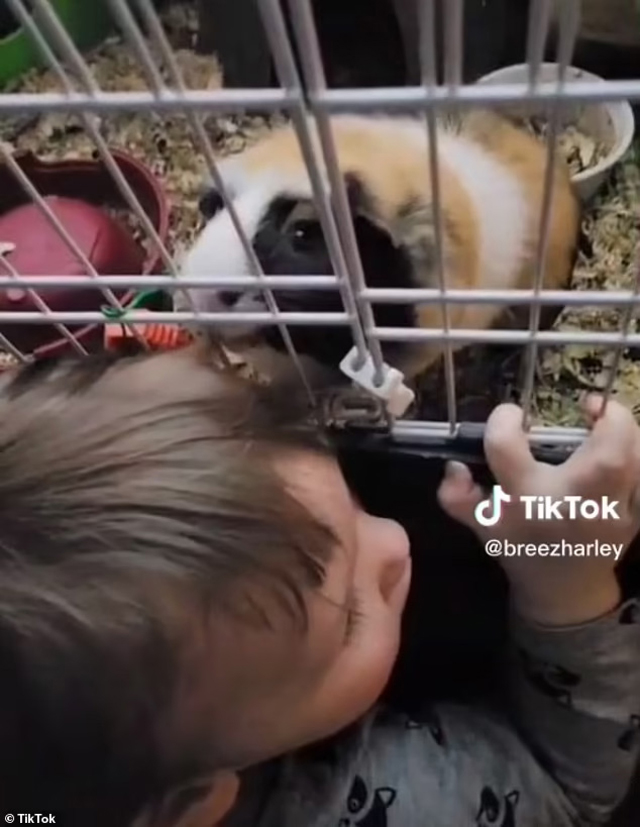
308	44
41	305
625	327
122	14
276	31
428	431
71	54
428	65
238	101
40	41
537	35
310	109
384	334
195	121
453	43
569	22
576	298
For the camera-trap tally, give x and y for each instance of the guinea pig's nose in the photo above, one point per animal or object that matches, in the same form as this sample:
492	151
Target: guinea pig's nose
210	203
229	298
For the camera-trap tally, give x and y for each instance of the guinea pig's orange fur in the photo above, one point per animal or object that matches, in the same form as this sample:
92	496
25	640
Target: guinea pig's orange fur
390	157
527	157
491	187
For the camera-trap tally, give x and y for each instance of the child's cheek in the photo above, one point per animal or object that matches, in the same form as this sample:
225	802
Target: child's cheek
361	674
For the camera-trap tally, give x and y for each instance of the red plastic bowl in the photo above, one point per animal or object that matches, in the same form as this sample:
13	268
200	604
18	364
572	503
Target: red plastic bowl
75	191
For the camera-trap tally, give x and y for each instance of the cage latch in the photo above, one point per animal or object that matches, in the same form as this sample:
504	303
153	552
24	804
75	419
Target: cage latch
396	396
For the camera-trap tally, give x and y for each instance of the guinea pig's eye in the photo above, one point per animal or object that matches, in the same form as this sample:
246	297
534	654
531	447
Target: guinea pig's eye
306	232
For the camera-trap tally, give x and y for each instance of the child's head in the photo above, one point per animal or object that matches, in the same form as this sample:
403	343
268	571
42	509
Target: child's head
186	584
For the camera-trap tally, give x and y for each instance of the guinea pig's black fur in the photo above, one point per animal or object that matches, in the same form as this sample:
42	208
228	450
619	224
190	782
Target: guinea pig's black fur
300	248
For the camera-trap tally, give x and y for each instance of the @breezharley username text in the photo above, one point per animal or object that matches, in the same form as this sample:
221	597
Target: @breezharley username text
505	548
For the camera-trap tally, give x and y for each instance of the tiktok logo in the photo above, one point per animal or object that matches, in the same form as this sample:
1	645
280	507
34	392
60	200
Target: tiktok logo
488	511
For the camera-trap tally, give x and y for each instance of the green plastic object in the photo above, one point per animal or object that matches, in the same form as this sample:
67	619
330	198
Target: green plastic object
146	300
87	22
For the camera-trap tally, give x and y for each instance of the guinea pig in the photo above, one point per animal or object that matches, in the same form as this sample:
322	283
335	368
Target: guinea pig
491	175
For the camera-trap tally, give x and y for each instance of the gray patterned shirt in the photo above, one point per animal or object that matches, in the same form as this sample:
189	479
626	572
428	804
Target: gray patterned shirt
562	756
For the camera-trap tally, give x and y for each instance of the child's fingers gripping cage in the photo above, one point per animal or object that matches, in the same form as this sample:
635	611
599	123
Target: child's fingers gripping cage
374	236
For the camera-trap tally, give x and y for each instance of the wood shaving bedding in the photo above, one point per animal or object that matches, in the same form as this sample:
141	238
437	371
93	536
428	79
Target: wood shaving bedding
580	151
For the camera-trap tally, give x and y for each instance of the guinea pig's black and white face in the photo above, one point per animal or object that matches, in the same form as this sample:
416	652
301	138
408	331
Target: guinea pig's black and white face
282	225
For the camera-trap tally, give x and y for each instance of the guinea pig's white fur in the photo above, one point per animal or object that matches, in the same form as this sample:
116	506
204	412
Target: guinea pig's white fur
491	184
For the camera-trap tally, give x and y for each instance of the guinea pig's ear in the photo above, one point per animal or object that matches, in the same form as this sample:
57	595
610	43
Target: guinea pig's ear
210	203
362	204
357	195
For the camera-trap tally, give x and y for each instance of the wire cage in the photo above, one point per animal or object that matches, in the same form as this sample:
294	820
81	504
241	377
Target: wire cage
82	107
150	113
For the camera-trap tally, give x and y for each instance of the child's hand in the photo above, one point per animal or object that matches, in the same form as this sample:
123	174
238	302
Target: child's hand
560	573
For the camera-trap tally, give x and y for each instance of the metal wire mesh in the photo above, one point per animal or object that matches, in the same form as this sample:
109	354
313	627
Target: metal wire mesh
304	97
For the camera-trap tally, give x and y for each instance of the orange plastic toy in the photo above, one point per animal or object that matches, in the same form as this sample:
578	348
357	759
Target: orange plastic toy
157	336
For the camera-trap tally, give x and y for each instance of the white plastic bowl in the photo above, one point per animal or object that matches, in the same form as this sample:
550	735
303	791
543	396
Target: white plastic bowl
610	123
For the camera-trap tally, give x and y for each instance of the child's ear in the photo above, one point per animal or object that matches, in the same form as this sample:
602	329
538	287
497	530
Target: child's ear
201	805
215	803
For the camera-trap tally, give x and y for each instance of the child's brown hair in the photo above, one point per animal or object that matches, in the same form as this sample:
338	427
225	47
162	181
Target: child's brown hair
134	492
